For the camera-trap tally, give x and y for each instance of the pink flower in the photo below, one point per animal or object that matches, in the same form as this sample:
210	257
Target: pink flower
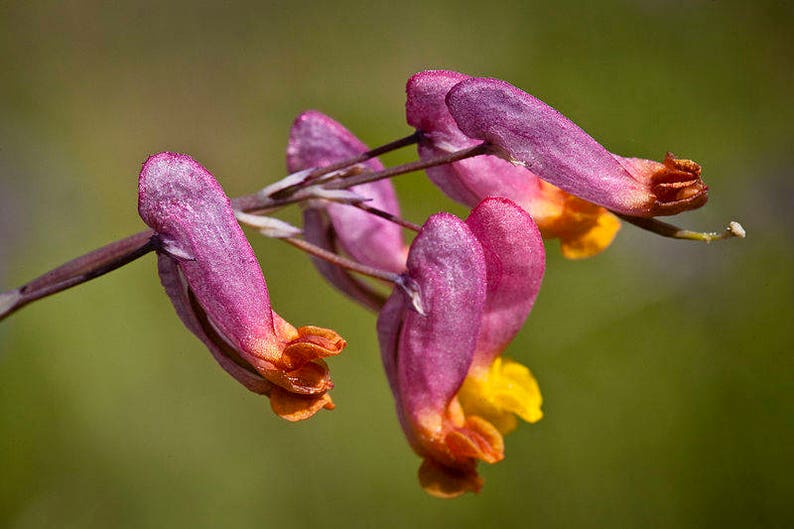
530	132
477	281
316	140
583	228
216	286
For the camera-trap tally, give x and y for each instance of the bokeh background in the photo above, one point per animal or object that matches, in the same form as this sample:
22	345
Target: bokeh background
666	366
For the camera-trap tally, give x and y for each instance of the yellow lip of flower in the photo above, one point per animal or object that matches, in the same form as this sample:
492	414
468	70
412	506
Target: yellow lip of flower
584	229
501	392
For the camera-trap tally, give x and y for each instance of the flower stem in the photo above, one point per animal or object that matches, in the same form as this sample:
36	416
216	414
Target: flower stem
338	260
373	176
77	271
363	157
664	229
255	202
388	216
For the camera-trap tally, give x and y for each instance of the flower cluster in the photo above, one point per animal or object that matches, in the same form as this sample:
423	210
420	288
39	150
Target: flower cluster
459	290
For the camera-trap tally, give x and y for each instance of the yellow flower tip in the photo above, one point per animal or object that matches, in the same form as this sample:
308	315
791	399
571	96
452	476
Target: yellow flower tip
500	393
294	408
446	482
593	241
584	229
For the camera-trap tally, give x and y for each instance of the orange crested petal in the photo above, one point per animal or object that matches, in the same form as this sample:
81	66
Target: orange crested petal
312	378
676	184
445	482
476	439
295	408
311	343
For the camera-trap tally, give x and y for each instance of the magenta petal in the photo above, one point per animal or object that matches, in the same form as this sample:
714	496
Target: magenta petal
467	181
427	356
426	111
186	206
177	290
515	261
550	145
316	140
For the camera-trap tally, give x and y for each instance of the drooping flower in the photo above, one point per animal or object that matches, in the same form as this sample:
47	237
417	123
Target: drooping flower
583	228
477	281
317	140
530	132
217	288
496	388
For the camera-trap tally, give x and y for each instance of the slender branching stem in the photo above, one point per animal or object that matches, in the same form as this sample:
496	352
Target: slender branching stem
255	202
338	260
363	157
373	176
388	216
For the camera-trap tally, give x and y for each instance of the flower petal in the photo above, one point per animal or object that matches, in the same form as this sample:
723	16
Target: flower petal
184	203
435	350
316	140
553	147
515	262
214	280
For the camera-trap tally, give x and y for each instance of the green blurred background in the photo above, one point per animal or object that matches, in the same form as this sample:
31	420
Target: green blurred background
666	366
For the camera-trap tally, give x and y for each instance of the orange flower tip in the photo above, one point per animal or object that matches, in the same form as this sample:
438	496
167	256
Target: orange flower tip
312	378
476	439
446	482
294	408
327	339
311	343
677	187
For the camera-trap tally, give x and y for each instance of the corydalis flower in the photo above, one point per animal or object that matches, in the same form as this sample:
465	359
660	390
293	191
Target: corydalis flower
583	228
316	140
216	286
477	281
529	132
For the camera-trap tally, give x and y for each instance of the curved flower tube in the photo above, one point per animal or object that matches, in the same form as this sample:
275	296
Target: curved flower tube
583	228
217	288
317	140
530	132
496	388
477	281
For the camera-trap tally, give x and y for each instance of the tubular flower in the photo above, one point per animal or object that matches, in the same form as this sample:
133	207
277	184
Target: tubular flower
499	389
476	289
530	132
217	288
316	140
583	228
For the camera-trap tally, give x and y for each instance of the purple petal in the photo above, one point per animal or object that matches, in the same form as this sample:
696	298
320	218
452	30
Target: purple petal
515	261
316	140
549	144
467	181
434	351
177	290
183	203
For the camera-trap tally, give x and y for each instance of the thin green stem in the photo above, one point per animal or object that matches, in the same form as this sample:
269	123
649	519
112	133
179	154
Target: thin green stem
664	229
